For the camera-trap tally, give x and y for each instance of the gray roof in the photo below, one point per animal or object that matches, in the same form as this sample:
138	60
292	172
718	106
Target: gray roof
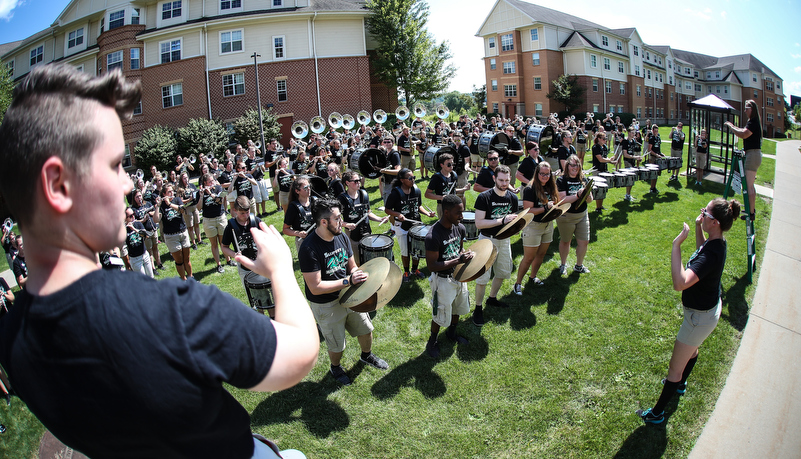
700	61
623	32
554	17
6	47
335	5
745	62
577	40
659	48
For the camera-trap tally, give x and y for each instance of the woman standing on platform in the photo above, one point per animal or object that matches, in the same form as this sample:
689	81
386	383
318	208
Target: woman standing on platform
699	284
752	144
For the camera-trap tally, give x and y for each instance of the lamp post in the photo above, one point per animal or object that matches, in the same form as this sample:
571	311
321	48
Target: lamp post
255	56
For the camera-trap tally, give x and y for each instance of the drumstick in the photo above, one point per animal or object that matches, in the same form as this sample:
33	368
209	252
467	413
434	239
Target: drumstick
236	242
451	188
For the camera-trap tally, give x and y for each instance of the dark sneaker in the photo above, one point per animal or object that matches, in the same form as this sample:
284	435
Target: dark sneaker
649	416
496	302
406	278
456	337
419	274
562	270
518	289
231	262
220	269
339	374
679	390
581	269
654	191
432	349
536	281
194	246
478	318
375	362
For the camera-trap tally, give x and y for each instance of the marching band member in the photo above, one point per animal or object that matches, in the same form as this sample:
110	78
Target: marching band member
214	221
242	184
599	162
539	196
271	156
335	187
677	137
575	221
298	216
138	257
443	182
169	212
283	182
630	148
256	170
143	213
565	150
302	164
238	233
405	149
19	266
462	174
190	196
355	204
513	153
701	150
654	151
421	146
486	177
393	166
403	204
581	141
525	172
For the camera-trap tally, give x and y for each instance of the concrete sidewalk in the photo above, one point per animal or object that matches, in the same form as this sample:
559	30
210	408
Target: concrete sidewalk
758	413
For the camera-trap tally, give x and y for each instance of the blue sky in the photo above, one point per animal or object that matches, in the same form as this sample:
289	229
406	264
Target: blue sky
719	28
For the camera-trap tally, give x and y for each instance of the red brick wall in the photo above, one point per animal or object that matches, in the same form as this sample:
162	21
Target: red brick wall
191	73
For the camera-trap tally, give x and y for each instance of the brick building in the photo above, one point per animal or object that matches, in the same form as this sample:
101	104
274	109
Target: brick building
527	46
194	57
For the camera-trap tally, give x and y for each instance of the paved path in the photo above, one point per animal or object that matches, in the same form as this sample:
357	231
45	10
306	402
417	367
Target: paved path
758	413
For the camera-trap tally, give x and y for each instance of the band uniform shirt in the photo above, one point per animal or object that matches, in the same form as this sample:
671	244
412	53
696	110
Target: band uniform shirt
285	181
250	164
707	263
656	143
243	186
514	144
462	152
172	218
571	186
407	204
701	145
212	206
298	216
142	213
564	152
485	177
393	161
446	242
403	141
754	141
439	184
244	239
134	240
353	210
335	187
530	195
527	168
329	258
496	207
602	151
677	140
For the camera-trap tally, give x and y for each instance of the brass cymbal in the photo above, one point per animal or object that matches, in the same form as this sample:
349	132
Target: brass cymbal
555	211
583	196
484	256
515	226
377	270
390	287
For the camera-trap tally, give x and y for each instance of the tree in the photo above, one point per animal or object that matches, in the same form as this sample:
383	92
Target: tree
158	147
6	88
480	98
202	136
407	56
567	92
456	101
246	127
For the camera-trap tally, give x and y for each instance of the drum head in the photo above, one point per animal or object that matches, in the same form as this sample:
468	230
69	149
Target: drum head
256	281
376	241
468	217
419	231
318	185
435	151
488	140
368	160
542	134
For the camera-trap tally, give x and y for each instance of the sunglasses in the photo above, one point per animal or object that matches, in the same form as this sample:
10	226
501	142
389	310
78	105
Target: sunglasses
492	159
411	179
305	187
448	164
707	214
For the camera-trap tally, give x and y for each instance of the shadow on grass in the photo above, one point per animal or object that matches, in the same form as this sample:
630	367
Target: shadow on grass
518	314
416	373
737	305
409	294
556	289
649	440
321	416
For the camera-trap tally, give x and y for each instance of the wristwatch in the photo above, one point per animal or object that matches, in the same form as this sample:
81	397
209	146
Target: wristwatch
345	281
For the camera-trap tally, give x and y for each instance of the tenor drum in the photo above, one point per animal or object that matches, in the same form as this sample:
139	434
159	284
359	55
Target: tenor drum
260	291
469	222
629	178
653	171
609	178
488	139
599	190
374	246
417	240
431	158
674	162
663	163
368	161
543	135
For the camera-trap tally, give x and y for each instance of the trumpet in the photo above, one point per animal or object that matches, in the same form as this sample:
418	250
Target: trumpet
380	116
402	112
300	129
348	122
193	158
317	124
8	223
419	110
335	120
363	117
210	157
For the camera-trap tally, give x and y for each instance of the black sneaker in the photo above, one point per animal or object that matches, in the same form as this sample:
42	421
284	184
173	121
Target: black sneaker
478	318
339	374
220	269
679	390
453	336
231	262
496	302
194	246
375	362
432	349
649	416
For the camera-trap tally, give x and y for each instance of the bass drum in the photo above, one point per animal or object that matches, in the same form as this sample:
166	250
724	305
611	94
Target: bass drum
542	134
368	161
318	185
431	158
489	139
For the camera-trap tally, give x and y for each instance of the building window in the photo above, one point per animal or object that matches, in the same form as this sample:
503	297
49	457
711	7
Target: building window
491	42
537	83
660	77
620	67
648	74
170	51
725	90
688	86
278	3
595	85
233	84
114	61
507	42
637	70
604	40
708	75
126	157
778	85
535	34
717	75
698	88
231	42
593	61
510	90
138	109
509	67
619	45
135	58
611	109
607	64
535	58
595	108
687	70
116	19
671	96
647	56
717	89
756	93
650	92
75	38
278	47
769	117
230	4
671	80
495	107
769	101
538	109
608	86
280	86
102	24
620	109
494	85
639	91
493	65
37	55
769	85
171	10
135	16
660	61
636	50
754	77
622	89
172	95
10	67
639	112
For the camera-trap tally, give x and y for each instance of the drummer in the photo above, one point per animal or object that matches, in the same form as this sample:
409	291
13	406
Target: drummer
405	204
237	234
298	216
654	152
538	197
326	261
514	152
600	159
631	158
393	166
462	151
525	172
486	177
355	204
565	150
495	208
335	187
444	250
405	149
422	145
444	182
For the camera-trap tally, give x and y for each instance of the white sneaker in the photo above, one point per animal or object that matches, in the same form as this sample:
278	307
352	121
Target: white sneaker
563	270
628	198
518	289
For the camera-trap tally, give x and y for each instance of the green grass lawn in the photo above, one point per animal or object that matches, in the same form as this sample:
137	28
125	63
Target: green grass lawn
558	374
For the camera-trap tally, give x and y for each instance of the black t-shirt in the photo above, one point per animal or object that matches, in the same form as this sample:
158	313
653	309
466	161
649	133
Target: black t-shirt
655	142
353	210
495	207
224	178
212	206
284	181
439	184
336	155
581	137
530	195
564	152
250	164
393	160
462	152
335	187
143	213
3	289
150	195
446	242
330	258
485	177
120	365
701	145
190	194
19	267
754	141
527	168
608	125
171	218
602	151
677	140
407	204
298	216
134	240
514	144
322	167
300	167
7	247
571	186
707	263
244	240
403	141
243	186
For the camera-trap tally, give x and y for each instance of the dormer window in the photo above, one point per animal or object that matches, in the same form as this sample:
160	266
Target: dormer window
171	10
75	38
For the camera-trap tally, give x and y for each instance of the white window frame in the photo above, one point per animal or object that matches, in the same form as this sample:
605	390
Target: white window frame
639	91
137	59
170	44
595	108
10	67
120	21
493	64
769	117
136	16
535	58
277	3
595	85
622	89
537	83
138	109
276	48
769	101
639	112
637	70
491	42
608	87
232	42
605	40
161	21
36	56
494	85
495	107
717	74
688	86
535	34
593	61
620	67
281	90
636	50
230	6
607	64
507	42
114	60
509	68
78	40
619	45
236	84
172	95
510	90
537	109
698	88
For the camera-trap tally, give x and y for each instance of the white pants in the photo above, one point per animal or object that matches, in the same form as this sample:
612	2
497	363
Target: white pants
142	264
262	451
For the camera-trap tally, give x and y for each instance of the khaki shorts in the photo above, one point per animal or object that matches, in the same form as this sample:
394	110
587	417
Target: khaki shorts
283	198
753	159
461	182
701	159
502	267
264	189
537	233
151	241
191	216
334	320
698	325
676	153
215	226
513	172
354	247
408	162
581	148
569	224
176	242
452	298
256	196
476	161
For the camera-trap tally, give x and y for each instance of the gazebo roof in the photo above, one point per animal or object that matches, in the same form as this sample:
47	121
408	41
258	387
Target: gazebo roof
713	103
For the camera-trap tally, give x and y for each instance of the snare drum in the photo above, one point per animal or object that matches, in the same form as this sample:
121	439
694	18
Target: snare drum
675	162
620	180
663	163
599	190
469	222
608	178
417	240
653	171
629	178
374	246
260	291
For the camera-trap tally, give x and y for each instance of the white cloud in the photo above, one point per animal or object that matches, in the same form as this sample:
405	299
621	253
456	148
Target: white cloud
723	14
797	69
792	87
7	8
700	14
798	44
795	56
